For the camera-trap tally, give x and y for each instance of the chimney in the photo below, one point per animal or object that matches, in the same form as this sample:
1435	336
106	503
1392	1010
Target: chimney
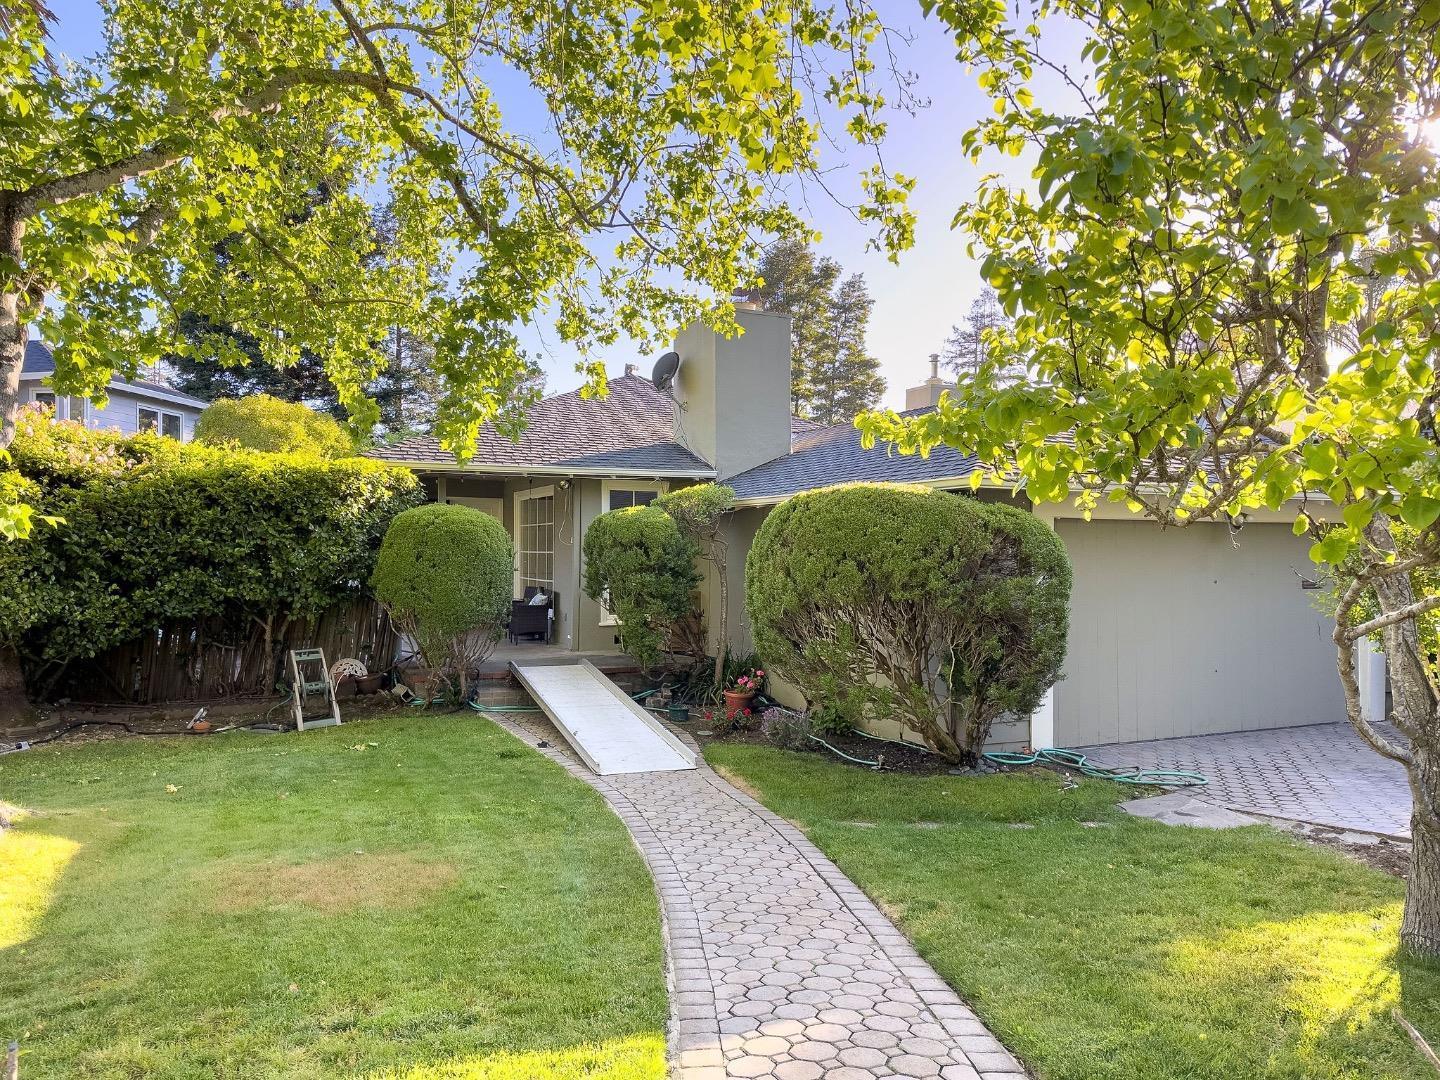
733	394
927	394
632	369
747	300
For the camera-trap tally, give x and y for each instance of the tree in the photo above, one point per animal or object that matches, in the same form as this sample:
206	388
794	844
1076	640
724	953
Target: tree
274	426
965	348
1233	182
640	567
896	601
445	574
700	512
845	379
220	362
832	376
637	201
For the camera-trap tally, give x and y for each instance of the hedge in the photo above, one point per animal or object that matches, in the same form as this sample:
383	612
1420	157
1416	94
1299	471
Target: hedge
154	530
889	601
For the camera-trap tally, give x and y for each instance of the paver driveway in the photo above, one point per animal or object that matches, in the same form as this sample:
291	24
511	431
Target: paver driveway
1324	774
780	966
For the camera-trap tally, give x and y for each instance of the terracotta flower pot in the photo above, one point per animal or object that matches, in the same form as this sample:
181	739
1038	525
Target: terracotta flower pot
736	702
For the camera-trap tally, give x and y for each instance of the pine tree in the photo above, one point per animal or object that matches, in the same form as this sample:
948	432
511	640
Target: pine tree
964	350
831	377
845	379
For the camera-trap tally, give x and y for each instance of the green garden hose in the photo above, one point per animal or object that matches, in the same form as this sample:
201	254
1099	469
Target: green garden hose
1071	759
841	753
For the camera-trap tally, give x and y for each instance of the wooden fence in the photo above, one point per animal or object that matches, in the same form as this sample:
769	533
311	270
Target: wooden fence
217	658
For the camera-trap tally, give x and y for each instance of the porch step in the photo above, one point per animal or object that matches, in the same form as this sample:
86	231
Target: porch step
610	732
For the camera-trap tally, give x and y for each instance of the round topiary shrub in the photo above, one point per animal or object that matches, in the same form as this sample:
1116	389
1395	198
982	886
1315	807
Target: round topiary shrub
642	569
445	573
899	602
262	422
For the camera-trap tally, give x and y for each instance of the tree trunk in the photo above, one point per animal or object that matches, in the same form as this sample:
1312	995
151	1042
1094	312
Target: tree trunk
1416	715
722	572
14	319
14	709
1420	930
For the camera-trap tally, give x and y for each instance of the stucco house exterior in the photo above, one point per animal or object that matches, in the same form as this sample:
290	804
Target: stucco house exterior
1206	629
132	405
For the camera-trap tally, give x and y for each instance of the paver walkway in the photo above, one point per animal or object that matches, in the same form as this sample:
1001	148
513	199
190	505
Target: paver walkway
1323	773
779	966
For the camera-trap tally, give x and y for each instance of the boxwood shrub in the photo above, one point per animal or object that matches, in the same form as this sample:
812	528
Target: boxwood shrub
446	575
639	564
901	602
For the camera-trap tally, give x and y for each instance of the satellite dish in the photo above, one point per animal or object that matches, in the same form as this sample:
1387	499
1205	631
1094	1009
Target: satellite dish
665	370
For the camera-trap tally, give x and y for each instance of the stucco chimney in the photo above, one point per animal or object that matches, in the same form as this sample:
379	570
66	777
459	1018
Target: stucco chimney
733	394
927	394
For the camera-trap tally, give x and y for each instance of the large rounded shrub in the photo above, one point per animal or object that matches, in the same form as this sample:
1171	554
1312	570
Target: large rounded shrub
445	573
900	602
262	422
639	564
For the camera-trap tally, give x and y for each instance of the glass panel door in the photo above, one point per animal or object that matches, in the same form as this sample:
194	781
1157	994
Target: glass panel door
534	542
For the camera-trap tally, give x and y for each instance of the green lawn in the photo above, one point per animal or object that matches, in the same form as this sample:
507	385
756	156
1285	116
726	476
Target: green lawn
416	897
1098	945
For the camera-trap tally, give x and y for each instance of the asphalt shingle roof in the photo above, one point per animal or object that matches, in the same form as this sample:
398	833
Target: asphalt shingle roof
833	455
39	360
630	431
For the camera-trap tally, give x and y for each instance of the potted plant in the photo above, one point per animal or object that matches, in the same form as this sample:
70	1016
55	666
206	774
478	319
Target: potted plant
740	692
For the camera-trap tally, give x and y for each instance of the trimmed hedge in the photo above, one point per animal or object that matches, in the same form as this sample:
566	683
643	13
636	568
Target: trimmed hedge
155	530
446	575
889	601
262	422
639	564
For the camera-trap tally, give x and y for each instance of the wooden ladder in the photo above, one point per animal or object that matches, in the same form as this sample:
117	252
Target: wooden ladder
318	685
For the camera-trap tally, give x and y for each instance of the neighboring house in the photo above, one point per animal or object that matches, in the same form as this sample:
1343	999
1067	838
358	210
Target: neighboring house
138	405
1173	632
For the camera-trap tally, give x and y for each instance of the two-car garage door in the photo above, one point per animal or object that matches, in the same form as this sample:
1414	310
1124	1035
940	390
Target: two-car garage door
1191	631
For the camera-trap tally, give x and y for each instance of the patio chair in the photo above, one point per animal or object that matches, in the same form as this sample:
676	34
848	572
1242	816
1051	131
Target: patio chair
531	620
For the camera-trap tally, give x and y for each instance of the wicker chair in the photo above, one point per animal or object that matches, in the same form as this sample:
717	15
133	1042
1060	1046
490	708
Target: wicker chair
531	620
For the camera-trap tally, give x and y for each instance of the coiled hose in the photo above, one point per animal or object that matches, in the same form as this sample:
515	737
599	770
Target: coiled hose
1072	759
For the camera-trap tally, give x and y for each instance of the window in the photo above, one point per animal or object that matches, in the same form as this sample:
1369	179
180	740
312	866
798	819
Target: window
620	498
166	423
534	540
46	398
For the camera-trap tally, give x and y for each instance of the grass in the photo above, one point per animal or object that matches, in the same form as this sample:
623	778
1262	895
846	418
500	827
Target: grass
415	897
1098	945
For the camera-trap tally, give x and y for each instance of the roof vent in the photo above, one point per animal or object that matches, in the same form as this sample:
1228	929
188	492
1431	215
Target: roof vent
665	369
632	369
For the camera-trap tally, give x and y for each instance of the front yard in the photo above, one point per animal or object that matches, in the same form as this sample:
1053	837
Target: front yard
1097	945
421	897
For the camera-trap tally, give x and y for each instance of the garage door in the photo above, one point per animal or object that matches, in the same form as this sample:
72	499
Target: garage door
1191	632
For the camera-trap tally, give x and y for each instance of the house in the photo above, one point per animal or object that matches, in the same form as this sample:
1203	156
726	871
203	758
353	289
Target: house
132	405
1174	632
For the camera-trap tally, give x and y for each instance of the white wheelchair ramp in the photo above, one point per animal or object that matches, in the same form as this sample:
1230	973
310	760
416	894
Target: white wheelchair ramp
607	729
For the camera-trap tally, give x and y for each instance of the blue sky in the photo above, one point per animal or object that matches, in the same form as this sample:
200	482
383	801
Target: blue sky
917	301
